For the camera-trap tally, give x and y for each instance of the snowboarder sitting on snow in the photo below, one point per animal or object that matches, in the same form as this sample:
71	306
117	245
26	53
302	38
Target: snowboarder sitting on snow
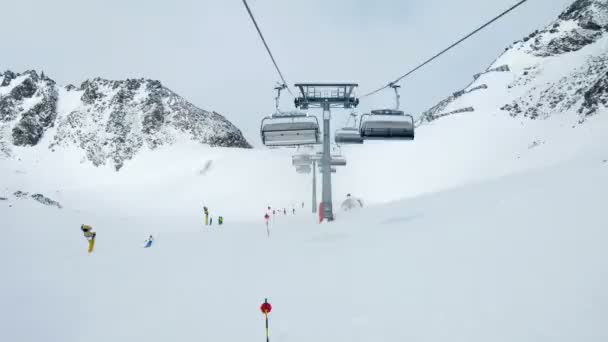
88	232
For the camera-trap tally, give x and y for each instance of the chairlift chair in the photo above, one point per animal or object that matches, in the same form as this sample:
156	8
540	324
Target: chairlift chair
348	134
289	130
387	124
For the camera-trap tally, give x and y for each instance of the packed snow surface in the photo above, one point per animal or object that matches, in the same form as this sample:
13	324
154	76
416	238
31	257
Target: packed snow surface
520	258
490	226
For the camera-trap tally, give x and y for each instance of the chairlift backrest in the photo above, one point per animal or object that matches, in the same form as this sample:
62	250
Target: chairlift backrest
289	129
387	112
348	135
387	124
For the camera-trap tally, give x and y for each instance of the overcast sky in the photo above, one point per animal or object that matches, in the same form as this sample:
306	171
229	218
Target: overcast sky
208	51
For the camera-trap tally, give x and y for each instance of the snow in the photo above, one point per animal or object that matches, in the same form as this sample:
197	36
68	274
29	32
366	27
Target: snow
518	258
484	228
69	100
17	81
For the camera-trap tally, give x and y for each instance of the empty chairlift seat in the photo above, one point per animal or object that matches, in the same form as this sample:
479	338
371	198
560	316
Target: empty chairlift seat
348	135
289	130
387	124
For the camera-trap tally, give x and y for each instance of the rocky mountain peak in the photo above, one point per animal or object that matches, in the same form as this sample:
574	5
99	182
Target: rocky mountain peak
581	24
561	69
110	120
590	14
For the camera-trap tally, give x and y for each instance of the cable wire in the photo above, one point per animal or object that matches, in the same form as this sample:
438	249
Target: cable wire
447	49
266	45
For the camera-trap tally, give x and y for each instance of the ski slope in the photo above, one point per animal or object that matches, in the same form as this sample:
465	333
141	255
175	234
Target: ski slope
485	228
518	258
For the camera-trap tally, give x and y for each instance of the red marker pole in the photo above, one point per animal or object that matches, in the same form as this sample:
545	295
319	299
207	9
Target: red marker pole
267	219
266	308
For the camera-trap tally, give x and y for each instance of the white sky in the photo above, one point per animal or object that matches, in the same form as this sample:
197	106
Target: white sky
208	50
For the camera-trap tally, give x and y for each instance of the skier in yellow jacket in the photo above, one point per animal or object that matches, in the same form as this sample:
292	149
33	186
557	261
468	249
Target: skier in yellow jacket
90	235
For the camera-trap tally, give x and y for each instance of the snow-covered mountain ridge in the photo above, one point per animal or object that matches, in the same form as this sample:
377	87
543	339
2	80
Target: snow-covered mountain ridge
110	121
562	68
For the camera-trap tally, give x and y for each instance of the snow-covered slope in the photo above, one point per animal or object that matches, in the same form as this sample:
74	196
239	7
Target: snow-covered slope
562	69
110	121
521	258
490	226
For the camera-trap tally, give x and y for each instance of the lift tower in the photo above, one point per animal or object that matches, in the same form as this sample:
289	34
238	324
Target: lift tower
326	96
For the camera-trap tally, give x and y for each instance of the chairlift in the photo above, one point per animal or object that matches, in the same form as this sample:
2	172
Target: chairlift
349	134
285	130
387	124
288	129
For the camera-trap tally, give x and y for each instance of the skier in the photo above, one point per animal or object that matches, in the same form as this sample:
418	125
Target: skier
220	220
302	205
211	221
90	235
284	211
206	211
148	242
293	211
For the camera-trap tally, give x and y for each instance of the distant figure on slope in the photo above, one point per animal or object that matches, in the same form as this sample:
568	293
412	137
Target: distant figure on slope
302	205
206	212
284	211
267	219
293	211
211	221
148	242
90	235
220	220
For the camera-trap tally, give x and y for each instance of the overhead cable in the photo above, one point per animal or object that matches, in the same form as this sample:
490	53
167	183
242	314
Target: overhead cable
447	49
257	27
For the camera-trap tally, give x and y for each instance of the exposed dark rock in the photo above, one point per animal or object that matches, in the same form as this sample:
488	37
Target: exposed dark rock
595	96
91	92
20	194
27	89
30	129
8	77
46	201
586	85
592	19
